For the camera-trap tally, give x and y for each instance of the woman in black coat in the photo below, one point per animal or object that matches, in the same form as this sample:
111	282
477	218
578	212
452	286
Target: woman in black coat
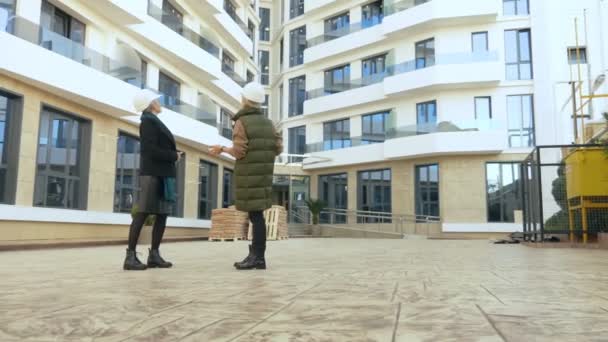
159	155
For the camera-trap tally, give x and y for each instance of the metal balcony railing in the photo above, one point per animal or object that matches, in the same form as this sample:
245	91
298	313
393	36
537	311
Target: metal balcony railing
194	37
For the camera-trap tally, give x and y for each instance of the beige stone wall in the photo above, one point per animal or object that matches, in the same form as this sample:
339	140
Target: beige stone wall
104	136
462	182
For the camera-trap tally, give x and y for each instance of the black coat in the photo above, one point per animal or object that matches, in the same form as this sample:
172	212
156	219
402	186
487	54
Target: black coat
157	148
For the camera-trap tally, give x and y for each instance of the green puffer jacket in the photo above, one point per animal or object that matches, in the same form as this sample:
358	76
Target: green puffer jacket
254	172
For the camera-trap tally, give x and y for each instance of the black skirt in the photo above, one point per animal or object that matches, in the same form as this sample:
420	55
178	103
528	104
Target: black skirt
151	196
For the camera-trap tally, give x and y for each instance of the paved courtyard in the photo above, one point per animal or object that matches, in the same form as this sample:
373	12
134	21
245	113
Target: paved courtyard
314	290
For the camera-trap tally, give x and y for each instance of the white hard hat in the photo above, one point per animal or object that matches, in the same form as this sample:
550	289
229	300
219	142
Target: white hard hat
143	99
254	92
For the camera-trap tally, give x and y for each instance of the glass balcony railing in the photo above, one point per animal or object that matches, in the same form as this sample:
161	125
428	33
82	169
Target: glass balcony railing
184	31
405	67
237	20
395	6
77	52
344	31
444	127
226	69
206	116
331	145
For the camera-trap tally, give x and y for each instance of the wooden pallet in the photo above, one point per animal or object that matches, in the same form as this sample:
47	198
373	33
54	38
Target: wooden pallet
224	239
273	218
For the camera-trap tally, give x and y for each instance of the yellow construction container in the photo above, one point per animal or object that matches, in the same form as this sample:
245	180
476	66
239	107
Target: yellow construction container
586	184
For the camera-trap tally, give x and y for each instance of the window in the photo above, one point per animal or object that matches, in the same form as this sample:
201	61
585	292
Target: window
427	190
10	134
483	108
336	135
374	128
296	8
63	161
479	42
144	74
7	11
264	24
374	194
227	62
281	101
207	193
177	208
372	14
372	69
426	114
169	88
251	30
297	45
281	53
518	55
333	190
172	17
265	106
226	123
503	191
425	53
126	187
337	79
520	116
264	60
516	7
577	56
297	95
250	76
230	8
57	21
228	188
337	23
297	143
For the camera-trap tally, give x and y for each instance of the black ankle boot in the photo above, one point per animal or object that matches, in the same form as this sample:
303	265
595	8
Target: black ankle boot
132	263
247	258
256	262
155	260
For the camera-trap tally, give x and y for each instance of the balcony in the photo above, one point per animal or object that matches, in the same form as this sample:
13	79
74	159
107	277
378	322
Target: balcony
124	12
343	41
233	75
178	27
207	116
403	15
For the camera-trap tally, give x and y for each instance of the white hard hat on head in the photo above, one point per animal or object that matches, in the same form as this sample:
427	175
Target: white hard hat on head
254	92
143	99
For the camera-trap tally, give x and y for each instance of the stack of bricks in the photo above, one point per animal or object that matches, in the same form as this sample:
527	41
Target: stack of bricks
228	224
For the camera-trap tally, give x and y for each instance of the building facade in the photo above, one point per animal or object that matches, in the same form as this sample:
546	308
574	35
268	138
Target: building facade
425	107
69	70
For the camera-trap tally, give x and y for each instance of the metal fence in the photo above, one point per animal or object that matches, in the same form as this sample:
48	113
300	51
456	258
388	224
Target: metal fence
547	208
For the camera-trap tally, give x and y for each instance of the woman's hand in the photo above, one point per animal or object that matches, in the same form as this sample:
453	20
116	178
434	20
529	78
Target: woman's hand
216	150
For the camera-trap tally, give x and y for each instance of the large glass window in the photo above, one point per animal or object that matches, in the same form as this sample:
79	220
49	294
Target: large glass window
479	42
516	7
337	79
56	20
63	161
297	95
126	186
226	123
297	142
504	193
10	128
483	108
374	127
577	55
207	193
372	14
7	11
264	60
296	8
520	115
425	53
372	69
374	194
426	113
281	101
170	89
336	134
427	190
177	208
518	51
265	106
297	45
333	190
172	17
265	24
228	188
337	23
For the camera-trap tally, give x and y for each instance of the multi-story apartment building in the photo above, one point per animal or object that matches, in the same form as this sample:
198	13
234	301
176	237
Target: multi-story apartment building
426	106
69	70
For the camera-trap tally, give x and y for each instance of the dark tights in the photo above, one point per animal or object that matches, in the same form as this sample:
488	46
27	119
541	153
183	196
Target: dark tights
157	233
259	231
